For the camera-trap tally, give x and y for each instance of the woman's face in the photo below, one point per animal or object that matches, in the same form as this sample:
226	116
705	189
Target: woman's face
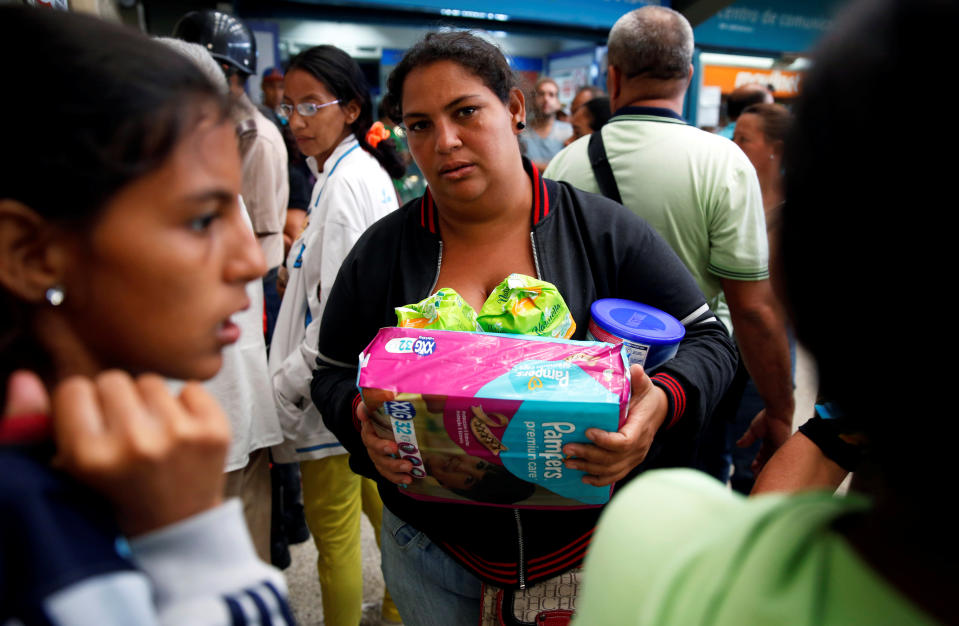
154	283
317	135
749	136
461	135
455	471
581	121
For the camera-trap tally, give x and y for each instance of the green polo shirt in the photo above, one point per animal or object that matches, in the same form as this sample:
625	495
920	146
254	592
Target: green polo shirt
676	547
697	189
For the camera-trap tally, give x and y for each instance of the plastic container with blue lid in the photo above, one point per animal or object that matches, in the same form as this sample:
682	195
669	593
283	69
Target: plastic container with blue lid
651	336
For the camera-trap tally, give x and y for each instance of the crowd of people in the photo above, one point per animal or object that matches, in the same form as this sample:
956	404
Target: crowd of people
163	228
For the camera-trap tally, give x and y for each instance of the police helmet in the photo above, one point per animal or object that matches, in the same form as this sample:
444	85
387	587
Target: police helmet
227	38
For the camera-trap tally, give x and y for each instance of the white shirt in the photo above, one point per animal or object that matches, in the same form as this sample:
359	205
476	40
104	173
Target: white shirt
351	193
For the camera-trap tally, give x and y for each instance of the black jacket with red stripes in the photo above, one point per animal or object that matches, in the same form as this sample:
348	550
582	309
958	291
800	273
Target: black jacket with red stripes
590	248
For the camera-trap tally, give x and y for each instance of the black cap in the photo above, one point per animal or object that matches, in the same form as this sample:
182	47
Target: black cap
227	38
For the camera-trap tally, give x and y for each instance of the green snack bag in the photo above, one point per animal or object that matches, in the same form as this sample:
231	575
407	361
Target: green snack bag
523	305
444	310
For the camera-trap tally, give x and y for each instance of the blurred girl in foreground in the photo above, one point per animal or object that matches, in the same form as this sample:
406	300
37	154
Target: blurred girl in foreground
885	554
123	256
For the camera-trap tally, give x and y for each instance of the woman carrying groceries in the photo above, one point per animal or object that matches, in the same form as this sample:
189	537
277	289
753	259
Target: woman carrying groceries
327	102
125	270
488	213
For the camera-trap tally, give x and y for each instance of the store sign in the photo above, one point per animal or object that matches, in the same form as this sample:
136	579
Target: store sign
600	14
769	25
785	84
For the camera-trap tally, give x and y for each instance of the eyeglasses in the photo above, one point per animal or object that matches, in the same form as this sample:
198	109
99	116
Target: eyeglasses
305	109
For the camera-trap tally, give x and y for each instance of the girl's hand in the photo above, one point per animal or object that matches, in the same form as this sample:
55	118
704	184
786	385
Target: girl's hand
158	458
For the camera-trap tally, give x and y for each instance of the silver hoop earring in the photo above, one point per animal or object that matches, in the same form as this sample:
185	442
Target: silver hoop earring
55	295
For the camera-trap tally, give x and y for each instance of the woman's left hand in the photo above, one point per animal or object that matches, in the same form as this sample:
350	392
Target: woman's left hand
612	455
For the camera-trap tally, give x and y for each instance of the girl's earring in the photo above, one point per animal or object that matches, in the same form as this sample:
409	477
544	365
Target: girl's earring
520	125
55	295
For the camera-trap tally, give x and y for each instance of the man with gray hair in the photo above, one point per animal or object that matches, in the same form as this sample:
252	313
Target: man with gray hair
698	190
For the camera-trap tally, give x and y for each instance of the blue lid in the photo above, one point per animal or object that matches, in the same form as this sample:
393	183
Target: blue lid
636	322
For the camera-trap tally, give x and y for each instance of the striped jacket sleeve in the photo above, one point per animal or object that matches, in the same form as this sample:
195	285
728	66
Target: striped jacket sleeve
204	570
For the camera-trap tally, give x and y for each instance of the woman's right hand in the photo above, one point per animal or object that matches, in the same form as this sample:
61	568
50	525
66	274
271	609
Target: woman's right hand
158	458
383	451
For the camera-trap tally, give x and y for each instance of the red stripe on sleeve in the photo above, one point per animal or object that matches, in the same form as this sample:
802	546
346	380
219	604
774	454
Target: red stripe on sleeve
356	421
677	393
680	398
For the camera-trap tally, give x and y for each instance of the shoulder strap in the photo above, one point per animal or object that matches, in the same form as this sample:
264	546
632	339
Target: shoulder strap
601	168
246	134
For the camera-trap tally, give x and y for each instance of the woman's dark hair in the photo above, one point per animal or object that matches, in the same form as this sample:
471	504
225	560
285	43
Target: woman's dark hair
343	77
480	57
776	120
498	486
598	109
103	105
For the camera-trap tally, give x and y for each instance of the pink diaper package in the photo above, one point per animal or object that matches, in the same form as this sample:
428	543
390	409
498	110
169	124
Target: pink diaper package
483	417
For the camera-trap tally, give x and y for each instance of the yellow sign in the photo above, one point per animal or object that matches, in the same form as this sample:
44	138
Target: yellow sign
784	84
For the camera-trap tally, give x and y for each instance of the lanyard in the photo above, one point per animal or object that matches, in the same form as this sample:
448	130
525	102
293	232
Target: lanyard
333	169
299	256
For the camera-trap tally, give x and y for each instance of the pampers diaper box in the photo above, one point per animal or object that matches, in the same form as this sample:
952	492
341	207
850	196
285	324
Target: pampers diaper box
483	417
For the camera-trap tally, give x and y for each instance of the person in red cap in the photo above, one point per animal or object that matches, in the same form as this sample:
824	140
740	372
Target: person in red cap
272	86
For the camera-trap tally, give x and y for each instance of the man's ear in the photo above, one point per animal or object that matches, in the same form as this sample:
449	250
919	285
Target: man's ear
614	82
33	256
517	107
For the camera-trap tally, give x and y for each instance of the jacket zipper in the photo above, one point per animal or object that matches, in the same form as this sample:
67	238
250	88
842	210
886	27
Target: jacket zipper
439	265
532	241
522	550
